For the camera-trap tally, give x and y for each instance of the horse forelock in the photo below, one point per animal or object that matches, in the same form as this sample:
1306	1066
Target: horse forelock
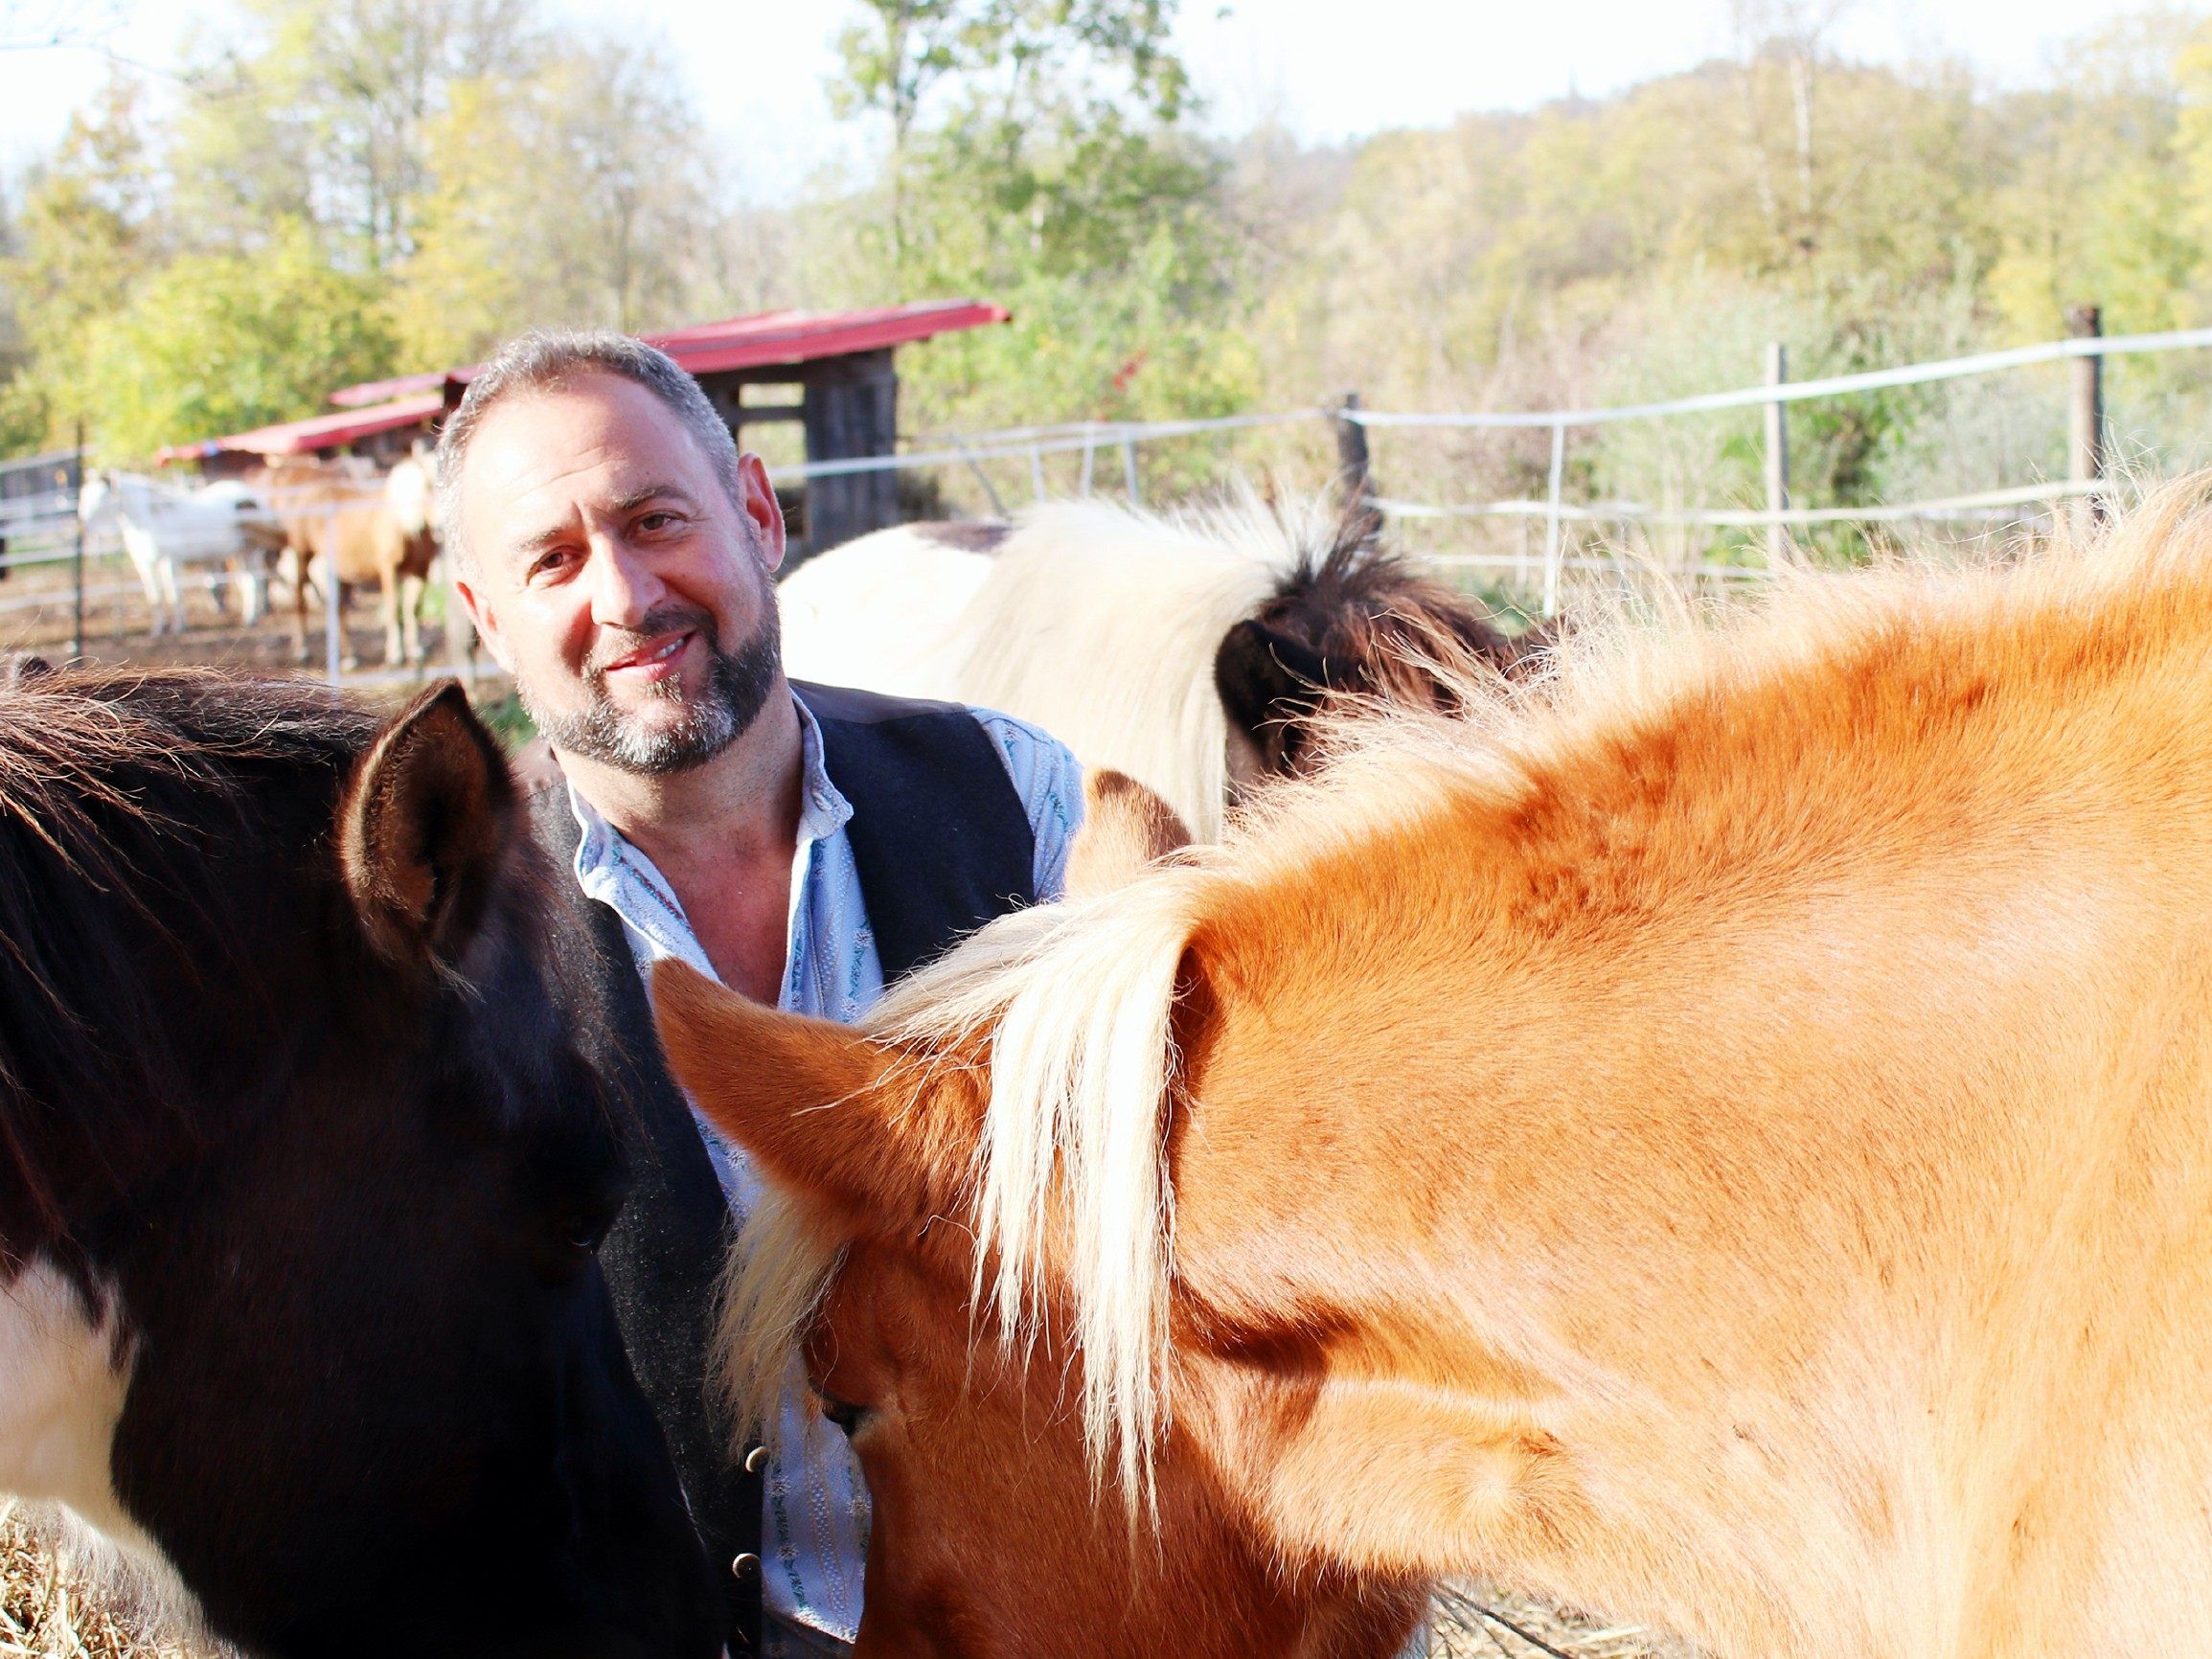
113	788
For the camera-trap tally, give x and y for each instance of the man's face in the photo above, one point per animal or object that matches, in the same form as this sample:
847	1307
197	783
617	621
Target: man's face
613	577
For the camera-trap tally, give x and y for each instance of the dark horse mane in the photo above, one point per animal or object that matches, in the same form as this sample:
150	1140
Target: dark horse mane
1351	619
135	853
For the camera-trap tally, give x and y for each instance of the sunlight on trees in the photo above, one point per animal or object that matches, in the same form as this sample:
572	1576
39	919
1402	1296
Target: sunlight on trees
427	176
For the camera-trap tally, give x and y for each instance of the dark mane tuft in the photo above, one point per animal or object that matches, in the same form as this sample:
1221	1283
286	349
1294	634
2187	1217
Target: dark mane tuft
1373	621
157	832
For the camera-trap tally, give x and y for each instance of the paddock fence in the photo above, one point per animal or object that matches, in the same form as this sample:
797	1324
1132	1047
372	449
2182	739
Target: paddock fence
1088	458
67	590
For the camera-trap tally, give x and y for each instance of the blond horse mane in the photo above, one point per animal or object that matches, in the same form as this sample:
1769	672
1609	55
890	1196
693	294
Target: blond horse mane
1075	1001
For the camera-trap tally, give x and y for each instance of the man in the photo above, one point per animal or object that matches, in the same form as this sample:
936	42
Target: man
802	843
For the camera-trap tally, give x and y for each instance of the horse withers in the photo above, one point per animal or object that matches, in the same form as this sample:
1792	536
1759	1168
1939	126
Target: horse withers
1730	1145
301	1177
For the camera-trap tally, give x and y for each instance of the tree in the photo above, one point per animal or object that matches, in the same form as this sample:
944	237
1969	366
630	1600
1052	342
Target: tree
573	196
220	342
90	229
322	112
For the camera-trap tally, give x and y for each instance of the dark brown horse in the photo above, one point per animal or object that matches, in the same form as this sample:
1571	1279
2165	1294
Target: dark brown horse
300	1179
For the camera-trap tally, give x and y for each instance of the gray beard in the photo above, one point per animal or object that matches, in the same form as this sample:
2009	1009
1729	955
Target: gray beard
737	689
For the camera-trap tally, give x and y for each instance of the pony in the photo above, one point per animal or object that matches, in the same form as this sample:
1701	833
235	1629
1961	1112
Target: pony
1728	1142
1194	652
361	531
301	1177
163	528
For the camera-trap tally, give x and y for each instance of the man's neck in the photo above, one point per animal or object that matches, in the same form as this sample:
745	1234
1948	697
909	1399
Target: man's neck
741	806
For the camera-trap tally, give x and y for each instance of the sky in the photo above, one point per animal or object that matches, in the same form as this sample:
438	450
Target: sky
756	67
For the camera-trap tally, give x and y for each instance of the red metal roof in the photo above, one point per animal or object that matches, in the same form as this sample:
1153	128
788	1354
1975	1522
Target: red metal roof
758	341
316	432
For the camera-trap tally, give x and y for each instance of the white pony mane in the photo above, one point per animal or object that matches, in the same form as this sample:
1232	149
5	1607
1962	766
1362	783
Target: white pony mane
1075	1001
1100	624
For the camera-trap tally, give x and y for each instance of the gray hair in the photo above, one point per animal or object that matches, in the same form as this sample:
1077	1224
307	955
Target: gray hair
547	359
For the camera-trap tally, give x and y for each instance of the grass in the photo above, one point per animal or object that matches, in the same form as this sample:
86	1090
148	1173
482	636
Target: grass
55	1604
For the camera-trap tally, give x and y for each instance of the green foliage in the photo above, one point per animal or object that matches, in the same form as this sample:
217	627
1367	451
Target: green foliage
1039	154
216	343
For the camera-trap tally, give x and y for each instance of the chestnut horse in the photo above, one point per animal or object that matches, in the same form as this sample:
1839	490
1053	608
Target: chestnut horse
1195	652
1731	1146
301	1176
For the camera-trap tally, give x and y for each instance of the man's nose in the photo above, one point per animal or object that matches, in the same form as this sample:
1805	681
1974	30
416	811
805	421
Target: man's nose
625	587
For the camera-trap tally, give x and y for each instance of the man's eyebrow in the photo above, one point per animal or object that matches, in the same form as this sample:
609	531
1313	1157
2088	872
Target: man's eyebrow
629	501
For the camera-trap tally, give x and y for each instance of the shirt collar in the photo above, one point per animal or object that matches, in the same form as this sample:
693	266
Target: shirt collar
823	810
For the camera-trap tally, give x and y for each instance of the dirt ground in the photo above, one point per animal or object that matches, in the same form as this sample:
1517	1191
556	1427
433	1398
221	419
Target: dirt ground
37	614
52	1607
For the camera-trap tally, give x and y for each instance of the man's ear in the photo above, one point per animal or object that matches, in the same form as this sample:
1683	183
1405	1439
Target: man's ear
758	504
1124	828
423	829
829	1114
1265	676
485	621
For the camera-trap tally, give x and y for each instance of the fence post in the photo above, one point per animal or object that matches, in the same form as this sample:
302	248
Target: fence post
1777	456
76	562
1354	481
1037	472
1089	456
2086	413
333	618
1551	552
1130	470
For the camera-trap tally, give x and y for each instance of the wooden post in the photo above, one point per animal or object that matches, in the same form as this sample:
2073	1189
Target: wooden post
850	409
1777	456
1130	470
1355	479
76	562
334	619
2086	412
1553	553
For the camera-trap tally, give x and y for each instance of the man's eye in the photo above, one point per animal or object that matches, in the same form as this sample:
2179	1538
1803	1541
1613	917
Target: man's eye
548	564
652	521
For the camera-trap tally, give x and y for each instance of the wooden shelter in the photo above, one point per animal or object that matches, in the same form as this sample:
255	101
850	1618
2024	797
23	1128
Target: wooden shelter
841	361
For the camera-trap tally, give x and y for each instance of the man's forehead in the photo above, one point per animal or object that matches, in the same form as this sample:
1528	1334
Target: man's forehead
539	454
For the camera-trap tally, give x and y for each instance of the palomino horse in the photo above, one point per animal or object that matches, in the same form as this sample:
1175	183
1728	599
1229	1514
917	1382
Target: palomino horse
1195	653
300	1175
1731	1146
162	529
373	532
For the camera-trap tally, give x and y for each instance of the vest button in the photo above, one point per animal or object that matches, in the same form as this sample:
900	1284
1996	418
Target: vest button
745	1565
755	1459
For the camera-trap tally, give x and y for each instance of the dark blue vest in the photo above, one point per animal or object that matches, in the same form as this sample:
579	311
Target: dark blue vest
943	844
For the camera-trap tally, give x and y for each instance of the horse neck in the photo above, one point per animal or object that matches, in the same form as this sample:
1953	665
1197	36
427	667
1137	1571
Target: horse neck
1708	1156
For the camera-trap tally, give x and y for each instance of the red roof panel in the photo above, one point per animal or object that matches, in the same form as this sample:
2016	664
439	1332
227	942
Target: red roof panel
758	341
316	432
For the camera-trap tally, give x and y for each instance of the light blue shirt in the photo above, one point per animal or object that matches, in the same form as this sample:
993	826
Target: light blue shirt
814	1520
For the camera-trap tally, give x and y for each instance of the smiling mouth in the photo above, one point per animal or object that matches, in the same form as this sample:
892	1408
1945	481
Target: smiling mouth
653	658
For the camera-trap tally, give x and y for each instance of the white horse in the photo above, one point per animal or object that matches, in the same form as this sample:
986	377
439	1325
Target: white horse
162	529
1192	652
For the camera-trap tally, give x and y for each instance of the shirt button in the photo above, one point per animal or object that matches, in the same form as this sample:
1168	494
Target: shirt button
755	1457
745	1565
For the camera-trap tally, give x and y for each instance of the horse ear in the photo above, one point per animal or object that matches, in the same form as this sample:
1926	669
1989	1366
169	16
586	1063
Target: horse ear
828	1113
1262	674
1124	827
424	828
